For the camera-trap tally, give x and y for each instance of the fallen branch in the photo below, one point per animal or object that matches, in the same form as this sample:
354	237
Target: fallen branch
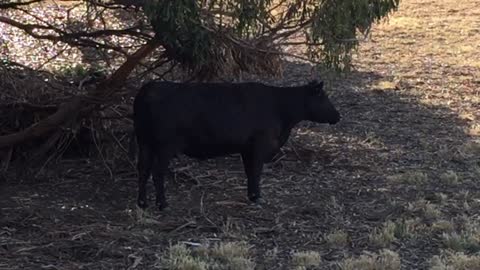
69	110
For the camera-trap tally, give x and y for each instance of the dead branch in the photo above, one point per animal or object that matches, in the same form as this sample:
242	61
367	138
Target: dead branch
81	39
27	107
17	4
70	110
119	4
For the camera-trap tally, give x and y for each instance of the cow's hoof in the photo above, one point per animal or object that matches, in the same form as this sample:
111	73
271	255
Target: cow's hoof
142	204
162	205
257	200
260	201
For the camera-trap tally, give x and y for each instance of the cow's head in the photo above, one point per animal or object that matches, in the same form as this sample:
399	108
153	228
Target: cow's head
318	106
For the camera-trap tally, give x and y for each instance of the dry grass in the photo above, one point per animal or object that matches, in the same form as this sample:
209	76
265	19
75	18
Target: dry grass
467	239
181	258
423	47
406	228
455	261
384	260
450	178
383	237
233	256
425	209
443	226
393	231
412	178
337	238
143	217
474	130
469	152
306	259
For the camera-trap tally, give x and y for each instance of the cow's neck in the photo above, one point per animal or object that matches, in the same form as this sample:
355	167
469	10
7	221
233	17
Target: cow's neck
292	112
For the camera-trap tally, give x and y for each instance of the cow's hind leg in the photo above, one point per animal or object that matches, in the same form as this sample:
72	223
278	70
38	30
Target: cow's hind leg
144	167
163	156
253	168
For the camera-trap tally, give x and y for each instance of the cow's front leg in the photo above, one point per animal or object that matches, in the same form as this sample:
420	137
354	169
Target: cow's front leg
253	160
253	169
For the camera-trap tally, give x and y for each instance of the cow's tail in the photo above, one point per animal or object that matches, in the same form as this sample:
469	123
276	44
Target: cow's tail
132	145
141	122
132	149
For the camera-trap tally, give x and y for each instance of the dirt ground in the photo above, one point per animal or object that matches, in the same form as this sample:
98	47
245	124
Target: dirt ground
395	185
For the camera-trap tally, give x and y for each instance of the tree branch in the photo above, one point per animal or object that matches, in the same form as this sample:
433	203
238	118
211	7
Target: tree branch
70	110
17	4
118	4
73	39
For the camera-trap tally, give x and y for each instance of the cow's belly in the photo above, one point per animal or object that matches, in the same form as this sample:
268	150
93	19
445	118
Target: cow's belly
205	151
205	143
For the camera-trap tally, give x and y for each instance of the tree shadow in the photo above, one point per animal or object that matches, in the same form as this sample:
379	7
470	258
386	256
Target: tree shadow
394	115
329	177
391	127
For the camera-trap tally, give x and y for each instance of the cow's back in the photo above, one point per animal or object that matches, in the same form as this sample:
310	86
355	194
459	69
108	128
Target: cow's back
210	111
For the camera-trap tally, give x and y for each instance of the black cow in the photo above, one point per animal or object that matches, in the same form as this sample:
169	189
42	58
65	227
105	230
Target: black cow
206	120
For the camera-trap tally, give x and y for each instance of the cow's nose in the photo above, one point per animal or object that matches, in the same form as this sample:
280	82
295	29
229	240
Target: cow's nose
336	120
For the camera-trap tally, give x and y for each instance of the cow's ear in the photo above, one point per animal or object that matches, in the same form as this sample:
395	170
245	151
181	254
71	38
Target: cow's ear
313	83
320	86
316	88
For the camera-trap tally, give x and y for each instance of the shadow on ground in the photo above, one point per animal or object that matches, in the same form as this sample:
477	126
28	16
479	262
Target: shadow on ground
328	178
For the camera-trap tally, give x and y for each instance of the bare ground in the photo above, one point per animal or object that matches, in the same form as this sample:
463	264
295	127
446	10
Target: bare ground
407	153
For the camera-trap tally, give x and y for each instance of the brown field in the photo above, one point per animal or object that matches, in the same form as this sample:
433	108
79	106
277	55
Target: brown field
395	185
